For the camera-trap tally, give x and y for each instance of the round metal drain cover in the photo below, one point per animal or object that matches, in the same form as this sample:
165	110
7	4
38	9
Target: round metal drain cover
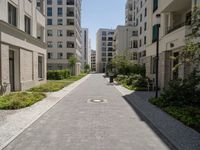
97	101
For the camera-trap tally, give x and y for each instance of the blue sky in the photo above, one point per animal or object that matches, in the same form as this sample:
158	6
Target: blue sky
102	14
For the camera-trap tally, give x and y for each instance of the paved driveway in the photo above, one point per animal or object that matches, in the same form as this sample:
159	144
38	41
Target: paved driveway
77	123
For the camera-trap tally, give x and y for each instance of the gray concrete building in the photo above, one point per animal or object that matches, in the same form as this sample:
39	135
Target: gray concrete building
93	60
104	48
22	47
63	33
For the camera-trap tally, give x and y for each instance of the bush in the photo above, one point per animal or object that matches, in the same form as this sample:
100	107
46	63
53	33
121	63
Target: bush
20	100
182	92
58	74
134	82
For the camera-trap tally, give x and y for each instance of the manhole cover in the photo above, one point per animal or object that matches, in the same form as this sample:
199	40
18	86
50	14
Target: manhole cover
97	101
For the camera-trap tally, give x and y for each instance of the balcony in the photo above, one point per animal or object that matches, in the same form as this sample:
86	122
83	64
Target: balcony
176	27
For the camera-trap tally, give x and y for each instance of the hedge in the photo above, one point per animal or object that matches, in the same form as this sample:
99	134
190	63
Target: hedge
58	74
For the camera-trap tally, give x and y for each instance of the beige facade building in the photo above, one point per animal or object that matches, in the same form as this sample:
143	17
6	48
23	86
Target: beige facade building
136	16
63	33
22	47
104	49
125	42
174	26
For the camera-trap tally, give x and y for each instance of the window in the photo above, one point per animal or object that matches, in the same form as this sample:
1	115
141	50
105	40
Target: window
49	2
155	5
49	55
103	54
154	34
104	33
140	42
40	67
60	55
110	49
70	22
69	55
140	17
103	59
49	32
145	40
60	44
103	38
110	54
49	11
134	33
135	44
12	15
110	39
60	33
50	44
70	33
145	26
49	22
60	11
59	22
59	2
145	12
109	43
140	30
27	25
70	2
103	49
70	44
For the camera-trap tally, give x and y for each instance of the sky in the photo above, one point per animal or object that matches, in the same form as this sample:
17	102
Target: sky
102	14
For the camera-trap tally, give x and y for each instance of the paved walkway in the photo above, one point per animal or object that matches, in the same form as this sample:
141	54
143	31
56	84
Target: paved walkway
75	123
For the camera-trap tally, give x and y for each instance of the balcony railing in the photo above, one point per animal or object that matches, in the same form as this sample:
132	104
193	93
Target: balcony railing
171	29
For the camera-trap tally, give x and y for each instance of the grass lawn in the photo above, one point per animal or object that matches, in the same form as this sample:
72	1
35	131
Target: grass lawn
188	115
20	100
56	85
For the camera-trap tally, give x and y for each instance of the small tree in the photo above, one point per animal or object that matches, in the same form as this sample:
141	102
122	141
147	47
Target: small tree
86	68
72	63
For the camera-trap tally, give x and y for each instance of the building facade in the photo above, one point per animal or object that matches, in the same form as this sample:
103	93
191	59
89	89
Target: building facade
63	33
104	48
86	48
174	27
136	16
125	42
93	60
22	47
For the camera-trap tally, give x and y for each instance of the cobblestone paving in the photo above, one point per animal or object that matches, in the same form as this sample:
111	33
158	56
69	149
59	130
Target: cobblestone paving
77	123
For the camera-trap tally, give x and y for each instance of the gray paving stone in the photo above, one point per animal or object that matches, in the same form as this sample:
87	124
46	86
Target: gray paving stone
75	124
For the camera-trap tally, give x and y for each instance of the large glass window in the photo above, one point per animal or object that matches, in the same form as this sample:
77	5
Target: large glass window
12	15
49	22
59	2
49	11
49	2
60	11
154	34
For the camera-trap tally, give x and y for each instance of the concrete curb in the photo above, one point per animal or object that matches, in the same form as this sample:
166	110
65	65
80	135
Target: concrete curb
59	95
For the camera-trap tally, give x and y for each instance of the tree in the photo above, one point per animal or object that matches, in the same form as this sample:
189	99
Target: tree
86	67
72	63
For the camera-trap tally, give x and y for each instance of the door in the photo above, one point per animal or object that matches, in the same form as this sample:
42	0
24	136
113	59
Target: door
11	70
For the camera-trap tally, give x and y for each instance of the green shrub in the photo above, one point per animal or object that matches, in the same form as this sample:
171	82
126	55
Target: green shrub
20	100
58	74
183	92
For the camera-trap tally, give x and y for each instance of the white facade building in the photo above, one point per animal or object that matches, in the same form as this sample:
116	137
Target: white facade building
104	48
22	47
63	33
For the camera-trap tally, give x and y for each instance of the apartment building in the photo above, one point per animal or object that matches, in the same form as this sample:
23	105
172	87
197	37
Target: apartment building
136	16
93	60
63	33
86	48
22	47
125	42
104	48
174	26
